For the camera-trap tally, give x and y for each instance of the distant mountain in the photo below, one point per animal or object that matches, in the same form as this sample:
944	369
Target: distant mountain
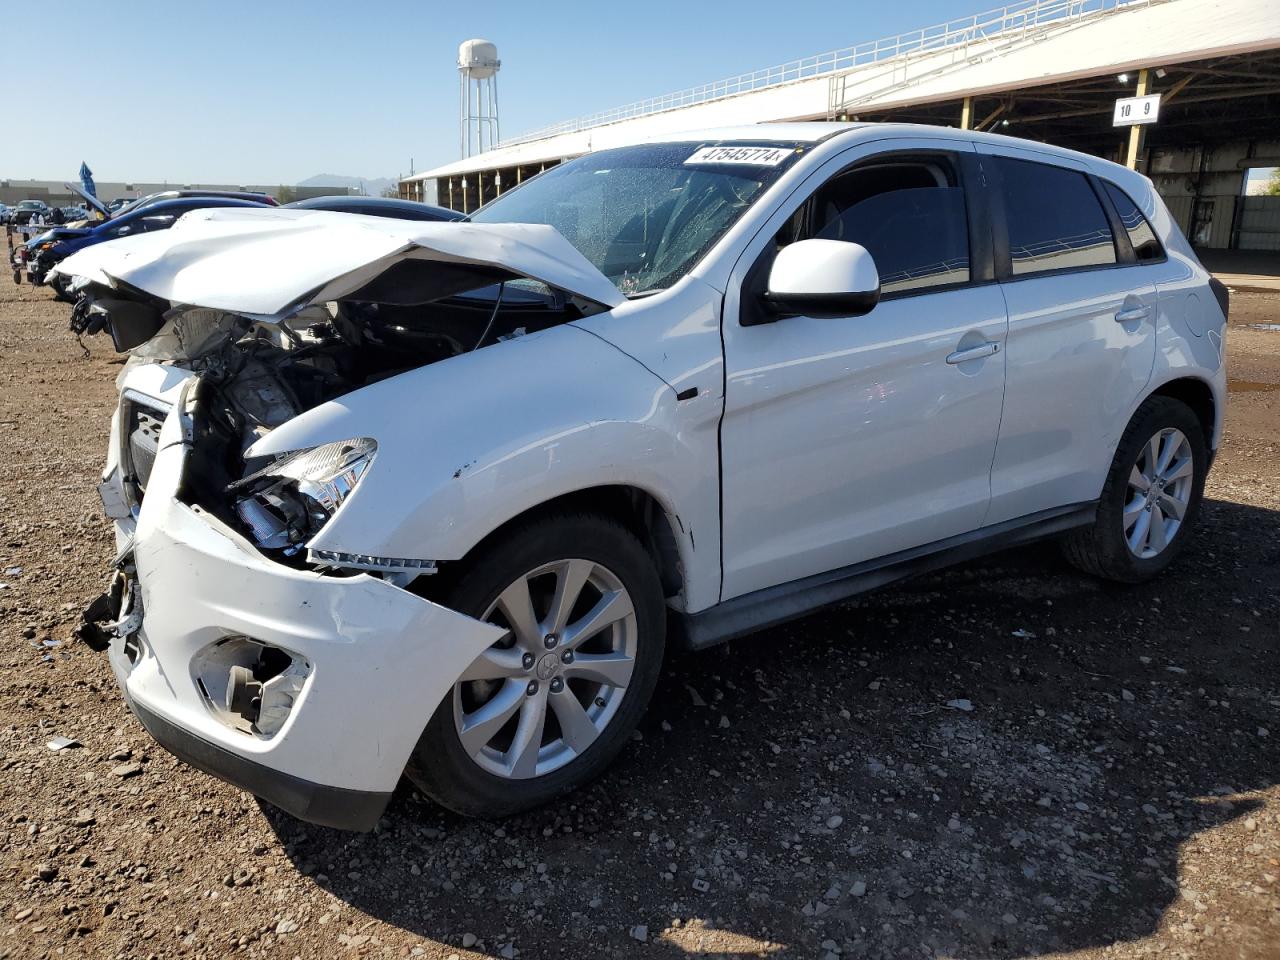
373	186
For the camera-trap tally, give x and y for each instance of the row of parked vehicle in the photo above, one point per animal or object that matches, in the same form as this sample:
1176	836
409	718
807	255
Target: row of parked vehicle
431	500
159	211
37	211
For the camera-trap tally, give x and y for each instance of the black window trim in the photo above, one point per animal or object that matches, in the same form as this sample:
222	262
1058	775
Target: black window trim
1118	228
1119	235
978	216
1004	257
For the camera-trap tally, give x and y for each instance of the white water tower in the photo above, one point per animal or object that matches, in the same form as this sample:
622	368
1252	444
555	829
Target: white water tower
478	65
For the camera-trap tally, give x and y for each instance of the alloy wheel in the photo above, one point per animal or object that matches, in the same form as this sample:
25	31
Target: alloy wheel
541	695
1159	493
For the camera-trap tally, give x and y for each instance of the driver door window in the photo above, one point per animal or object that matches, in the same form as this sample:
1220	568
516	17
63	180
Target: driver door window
909	216
159	222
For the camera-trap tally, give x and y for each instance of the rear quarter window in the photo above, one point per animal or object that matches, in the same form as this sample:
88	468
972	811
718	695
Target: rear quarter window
1146	247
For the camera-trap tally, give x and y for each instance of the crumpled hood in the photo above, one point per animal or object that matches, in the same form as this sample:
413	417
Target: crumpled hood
263	261
58	233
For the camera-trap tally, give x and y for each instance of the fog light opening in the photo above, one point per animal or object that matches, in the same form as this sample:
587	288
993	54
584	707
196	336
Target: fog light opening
244	693
249	685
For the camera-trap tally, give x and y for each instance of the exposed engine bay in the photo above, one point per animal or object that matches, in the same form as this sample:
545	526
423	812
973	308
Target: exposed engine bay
258	373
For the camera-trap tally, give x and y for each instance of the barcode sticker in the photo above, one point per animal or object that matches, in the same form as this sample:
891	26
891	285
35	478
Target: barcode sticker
747	156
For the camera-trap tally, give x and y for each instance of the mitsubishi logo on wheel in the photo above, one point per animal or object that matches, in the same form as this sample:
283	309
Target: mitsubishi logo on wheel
548	666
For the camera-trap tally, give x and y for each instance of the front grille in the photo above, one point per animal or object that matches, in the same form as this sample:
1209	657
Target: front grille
142	431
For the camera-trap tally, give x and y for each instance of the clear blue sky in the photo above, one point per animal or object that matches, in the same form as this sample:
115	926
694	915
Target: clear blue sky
273	92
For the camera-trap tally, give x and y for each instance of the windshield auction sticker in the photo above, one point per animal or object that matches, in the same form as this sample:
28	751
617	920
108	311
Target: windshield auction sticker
747	156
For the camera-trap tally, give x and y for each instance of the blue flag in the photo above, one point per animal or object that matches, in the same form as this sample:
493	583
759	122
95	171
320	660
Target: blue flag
86	179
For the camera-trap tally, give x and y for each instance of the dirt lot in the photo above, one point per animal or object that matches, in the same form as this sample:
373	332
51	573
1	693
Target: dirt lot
1110	787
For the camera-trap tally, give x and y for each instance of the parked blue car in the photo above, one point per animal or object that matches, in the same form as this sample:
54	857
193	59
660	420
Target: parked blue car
391	207
53	246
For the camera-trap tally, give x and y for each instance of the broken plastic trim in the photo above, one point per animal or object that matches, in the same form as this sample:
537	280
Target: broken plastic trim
116	614
335	559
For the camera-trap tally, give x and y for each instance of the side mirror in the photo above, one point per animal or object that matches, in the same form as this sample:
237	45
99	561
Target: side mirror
823	278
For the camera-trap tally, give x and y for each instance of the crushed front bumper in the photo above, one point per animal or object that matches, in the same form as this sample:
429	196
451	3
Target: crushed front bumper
378	659
38	271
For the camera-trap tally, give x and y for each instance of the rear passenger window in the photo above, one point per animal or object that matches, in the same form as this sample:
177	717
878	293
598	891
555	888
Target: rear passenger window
1145	245
910	216
1056	221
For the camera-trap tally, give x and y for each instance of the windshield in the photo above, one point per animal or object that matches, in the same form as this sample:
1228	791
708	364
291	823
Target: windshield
645	215
135	204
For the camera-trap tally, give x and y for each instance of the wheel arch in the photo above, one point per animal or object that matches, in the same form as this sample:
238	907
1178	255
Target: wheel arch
1197	394
637	509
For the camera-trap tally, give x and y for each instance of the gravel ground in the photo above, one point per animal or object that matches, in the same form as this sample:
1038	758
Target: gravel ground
1004	760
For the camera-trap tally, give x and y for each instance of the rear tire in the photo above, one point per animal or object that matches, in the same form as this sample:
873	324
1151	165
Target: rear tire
556	723
1151	497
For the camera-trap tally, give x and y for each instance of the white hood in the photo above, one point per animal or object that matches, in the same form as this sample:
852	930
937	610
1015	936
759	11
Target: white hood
262	261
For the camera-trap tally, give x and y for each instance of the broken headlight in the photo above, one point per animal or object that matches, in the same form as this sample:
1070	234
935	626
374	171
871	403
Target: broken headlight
297	494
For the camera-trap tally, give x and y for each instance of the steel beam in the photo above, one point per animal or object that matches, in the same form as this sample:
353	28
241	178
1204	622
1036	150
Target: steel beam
1138	132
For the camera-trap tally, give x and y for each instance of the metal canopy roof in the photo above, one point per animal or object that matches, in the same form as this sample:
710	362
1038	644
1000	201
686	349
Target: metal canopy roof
1087	38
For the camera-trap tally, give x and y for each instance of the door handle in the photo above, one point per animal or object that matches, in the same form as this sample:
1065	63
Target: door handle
990	348
1132	314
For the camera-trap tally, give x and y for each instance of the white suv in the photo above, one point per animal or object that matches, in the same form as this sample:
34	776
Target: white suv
432	498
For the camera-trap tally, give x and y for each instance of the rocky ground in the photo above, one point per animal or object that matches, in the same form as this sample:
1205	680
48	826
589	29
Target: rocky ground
1008	759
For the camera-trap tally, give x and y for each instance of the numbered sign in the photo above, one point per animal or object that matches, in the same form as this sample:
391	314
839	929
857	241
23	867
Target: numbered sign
1131	110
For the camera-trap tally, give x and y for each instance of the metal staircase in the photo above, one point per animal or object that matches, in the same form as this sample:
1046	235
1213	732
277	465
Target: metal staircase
957	42
936	51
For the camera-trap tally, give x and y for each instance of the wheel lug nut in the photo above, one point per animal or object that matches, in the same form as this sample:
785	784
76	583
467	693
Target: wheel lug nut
557	685
566	657
532	688
527	660
550	640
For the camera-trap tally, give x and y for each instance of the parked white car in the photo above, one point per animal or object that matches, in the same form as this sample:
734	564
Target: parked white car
432	498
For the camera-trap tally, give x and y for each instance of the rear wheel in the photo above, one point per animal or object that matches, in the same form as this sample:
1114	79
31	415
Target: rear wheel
546	708
1151	497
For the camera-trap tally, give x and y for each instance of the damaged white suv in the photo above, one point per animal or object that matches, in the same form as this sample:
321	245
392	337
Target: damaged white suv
430	499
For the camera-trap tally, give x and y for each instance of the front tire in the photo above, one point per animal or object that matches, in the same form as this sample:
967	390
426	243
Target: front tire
59	285
549	706
1151	497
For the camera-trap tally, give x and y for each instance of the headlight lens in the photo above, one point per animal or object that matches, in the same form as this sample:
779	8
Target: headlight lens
296	495
327	474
